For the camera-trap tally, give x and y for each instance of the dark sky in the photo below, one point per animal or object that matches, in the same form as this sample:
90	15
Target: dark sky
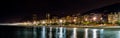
16	9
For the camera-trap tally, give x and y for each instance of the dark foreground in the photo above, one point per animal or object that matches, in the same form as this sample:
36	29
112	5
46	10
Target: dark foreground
57	32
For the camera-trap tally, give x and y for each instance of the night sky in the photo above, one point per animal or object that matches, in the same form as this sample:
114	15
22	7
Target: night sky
16	10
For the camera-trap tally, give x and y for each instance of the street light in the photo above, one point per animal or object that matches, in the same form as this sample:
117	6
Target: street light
43	22
74	20
86	19
101	18
94	18
61	21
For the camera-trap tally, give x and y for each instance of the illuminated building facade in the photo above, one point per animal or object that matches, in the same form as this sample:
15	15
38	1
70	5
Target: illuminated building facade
114	17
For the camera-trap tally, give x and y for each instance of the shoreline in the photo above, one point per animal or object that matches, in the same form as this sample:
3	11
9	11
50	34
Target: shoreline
66	26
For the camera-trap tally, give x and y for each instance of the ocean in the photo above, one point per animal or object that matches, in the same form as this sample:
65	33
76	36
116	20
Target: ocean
7	31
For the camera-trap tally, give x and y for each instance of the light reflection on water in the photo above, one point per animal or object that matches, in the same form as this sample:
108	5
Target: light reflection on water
43	32
94	33
50	32
74	34
86	32
62	32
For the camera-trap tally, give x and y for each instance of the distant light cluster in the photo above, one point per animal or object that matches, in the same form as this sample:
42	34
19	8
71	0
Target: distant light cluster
88	19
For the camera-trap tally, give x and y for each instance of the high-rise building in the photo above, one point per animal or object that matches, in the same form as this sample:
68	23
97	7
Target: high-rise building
119	16
113	18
